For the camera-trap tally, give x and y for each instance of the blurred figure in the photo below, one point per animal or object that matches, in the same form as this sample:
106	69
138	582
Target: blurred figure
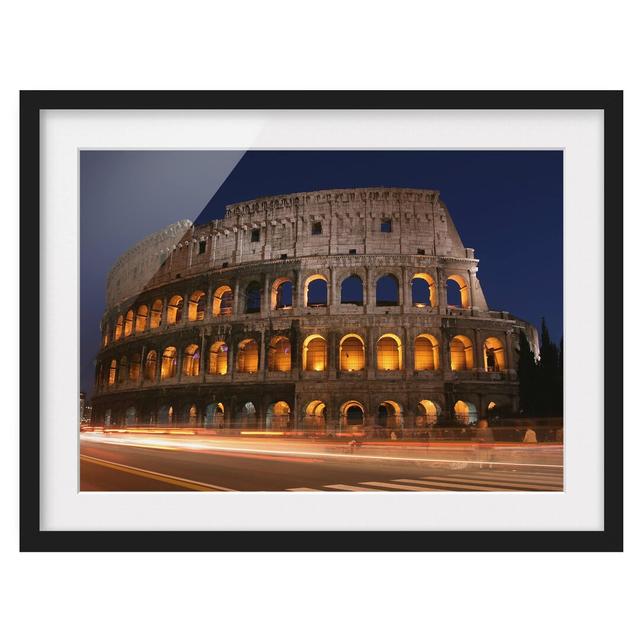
393	435
530	436
484	436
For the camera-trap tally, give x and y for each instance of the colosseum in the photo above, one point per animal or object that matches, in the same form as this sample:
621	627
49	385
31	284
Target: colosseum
327	311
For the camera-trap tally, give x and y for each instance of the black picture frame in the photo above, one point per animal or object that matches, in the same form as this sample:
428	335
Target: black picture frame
32	538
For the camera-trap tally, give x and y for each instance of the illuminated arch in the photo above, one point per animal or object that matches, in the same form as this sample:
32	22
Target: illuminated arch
117	331
457	296
165	414
423	291
314	353
461	349
352	290
128	323
248	356
150	365
352	414
426	353
389	352
169	364
197	304
387	291
113	372
248	416
156	314
315	291
278	416
279	356
494	355
134	367
389	414
465	412
214	415
141	318
123	369
219	358
352	353
427	413
315	415
174	309
192	415
282	294
191	360
223	301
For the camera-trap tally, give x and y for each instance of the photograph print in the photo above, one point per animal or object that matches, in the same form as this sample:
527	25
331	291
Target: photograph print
321	321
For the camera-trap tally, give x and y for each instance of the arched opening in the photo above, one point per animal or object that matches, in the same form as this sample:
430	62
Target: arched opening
278	415
169	365
282	294
423	291
174	310
387	291
134	367
219	358
117	331
314	353
427	413
113	372
315	416
465	412
141	318
252	298
389	415
315	291
457	292
426	353
128	323
352	291
130	416
351	353
123	369
150	365
223	301
156	314
105	336
389	350
165	414
197	303
192	415
461	354
279	358
191	361
248	416
248	356
214	415
351	415
494	359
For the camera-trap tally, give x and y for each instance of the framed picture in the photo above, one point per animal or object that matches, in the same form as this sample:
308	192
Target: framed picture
346	321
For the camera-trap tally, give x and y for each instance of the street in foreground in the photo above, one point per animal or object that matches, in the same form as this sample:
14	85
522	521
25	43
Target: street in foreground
166	462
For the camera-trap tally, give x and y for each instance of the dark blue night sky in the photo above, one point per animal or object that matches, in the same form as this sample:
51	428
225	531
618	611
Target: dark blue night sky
507	205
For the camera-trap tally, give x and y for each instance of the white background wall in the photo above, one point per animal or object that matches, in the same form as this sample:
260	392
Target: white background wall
286	45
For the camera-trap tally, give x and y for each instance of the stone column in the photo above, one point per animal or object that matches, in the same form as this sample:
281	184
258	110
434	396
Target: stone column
236	298
208	312
265	309
478	351
141	372
408	359
332	359
472	286
370	353
262	357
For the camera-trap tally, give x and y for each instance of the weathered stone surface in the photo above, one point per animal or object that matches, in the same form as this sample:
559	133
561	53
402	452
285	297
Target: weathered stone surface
328	235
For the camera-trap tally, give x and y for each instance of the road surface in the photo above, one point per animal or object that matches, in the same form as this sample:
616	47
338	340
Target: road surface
126	462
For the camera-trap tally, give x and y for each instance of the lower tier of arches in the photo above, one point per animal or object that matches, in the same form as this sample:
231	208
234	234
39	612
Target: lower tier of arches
288	408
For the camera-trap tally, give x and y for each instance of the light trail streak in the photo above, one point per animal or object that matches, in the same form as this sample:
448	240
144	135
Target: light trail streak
204	447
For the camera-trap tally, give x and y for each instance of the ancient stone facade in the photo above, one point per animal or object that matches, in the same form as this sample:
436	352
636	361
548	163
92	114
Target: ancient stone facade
327	310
